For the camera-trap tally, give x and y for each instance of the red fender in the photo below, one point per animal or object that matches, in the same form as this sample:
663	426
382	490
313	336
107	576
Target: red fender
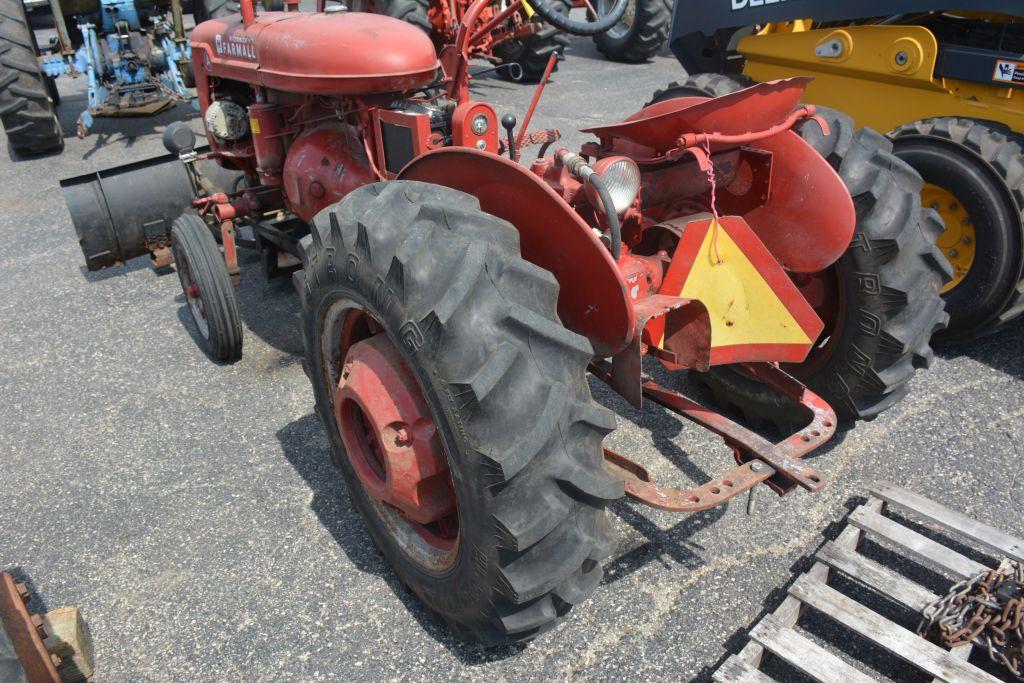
592	299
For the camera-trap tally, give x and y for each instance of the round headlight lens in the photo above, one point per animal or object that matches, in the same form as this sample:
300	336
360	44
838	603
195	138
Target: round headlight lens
480	124
621	176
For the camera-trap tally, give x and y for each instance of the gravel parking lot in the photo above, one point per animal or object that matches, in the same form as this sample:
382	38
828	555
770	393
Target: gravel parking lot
190	510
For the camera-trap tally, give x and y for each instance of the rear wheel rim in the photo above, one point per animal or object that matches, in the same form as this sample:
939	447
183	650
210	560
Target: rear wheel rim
957	242
390	452
621	29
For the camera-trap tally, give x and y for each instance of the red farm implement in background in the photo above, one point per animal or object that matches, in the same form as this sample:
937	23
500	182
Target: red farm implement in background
454	299
520	41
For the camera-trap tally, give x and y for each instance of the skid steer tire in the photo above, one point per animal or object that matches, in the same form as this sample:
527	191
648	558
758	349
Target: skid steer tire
888	284
208	291
505	384
640	38
702	85
533	52
981	163
27	112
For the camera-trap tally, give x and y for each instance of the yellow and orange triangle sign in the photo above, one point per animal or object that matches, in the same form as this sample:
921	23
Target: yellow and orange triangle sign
757	313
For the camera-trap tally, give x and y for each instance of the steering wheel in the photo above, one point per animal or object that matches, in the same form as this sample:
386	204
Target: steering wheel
580	28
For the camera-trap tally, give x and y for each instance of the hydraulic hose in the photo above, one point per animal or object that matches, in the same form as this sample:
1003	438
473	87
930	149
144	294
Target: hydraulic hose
579	168
580	28
609	212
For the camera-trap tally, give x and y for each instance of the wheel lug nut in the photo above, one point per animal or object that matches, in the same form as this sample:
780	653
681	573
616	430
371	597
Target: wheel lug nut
402	437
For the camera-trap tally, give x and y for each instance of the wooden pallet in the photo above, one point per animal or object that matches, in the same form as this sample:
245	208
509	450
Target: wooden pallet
777	634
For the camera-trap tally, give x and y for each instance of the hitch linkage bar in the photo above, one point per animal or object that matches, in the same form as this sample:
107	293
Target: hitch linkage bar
778	465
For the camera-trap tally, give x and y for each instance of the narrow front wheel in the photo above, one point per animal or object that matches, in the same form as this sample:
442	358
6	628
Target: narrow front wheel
208	292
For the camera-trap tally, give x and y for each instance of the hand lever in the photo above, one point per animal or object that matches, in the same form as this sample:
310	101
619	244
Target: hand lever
508	122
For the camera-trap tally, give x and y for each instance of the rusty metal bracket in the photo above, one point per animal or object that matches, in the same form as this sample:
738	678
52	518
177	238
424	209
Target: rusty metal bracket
778	465
26	633
687	342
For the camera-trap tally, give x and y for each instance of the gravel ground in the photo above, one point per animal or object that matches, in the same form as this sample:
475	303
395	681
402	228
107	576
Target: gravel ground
190	511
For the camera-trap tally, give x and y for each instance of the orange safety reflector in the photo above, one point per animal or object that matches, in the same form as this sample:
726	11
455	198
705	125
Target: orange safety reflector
757	313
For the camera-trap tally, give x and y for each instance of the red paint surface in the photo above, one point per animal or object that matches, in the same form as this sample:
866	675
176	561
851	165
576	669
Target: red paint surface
345	53
323	165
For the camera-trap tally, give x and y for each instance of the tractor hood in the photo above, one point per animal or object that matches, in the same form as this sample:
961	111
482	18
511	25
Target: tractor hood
344	53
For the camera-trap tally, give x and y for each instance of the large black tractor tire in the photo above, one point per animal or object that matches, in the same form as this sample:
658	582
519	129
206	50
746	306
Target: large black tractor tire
888	280
533	53
27	112
640	34
205	10
981	165
505	383
887	284
209	294
702	85
416	12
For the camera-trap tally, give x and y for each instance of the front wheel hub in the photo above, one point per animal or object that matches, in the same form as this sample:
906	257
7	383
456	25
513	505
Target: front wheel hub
389	435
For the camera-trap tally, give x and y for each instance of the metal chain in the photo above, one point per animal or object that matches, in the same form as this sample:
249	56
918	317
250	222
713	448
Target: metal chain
986	609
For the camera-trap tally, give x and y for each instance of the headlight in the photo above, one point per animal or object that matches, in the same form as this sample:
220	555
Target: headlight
480	124
621	176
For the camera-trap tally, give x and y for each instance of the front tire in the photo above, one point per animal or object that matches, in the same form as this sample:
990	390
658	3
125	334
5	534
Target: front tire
208	291
506	389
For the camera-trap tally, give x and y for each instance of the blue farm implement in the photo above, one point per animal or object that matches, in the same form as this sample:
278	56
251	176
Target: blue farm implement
134	55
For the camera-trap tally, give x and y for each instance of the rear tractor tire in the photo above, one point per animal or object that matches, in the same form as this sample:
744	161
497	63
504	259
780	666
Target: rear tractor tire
208	291
974	175
205	10
412	296
702	85
880	302
415	12
28	113
640	34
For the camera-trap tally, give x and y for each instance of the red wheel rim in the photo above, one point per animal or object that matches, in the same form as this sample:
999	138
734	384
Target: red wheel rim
390	436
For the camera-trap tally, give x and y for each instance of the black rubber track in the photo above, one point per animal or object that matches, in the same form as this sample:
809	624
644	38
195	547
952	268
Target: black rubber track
191	239
890	279
26	110
533	53
1002	151
506	383
703	85
645	35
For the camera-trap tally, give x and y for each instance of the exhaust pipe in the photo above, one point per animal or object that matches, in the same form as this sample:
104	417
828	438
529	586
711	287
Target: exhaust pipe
127	211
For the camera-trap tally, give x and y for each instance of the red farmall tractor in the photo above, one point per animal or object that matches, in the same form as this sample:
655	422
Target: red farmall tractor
524	40
454	299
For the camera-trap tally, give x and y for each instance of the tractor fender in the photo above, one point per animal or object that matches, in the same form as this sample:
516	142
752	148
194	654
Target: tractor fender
593	300
809	218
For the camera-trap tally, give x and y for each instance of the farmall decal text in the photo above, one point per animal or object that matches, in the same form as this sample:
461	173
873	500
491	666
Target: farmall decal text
235	46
